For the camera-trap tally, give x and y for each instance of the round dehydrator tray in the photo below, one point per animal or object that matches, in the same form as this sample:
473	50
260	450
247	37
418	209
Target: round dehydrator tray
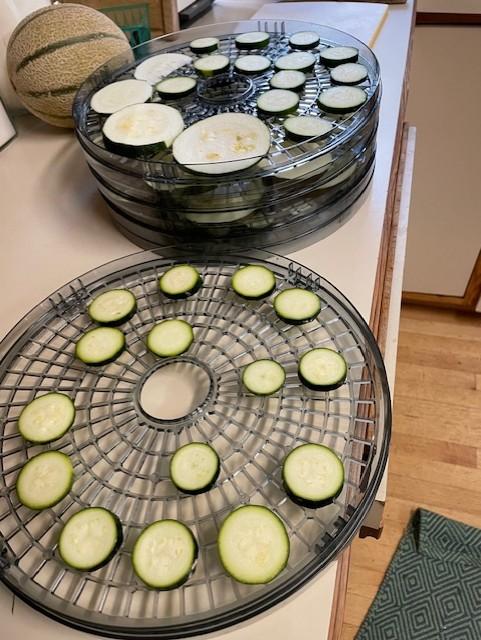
194	206
120	452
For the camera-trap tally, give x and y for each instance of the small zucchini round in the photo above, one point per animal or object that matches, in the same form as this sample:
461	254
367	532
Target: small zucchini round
180	281
112	308
349	73
252	64
263	377
100	346
47	418
313	475
45	480
278	102
253	282
288	79
164	554
305	127
176	87
297	306
298	61
342	99
322	369
252	40
90	539
204	45
212	65
334	56
170	338
304	40
194	468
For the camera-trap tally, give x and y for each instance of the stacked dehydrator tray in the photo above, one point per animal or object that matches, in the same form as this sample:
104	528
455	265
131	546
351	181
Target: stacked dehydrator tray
295	188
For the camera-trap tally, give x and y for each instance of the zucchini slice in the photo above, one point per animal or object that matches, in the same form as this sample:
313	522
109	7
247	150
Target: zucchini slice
349	73
142	130
223	143
100	346
204	45
299	61
159	66
47	418
253	282
180	281
334	56
297	306
263	377
278	102
212	65
312	168
170	338
252	40
313	475
305	127
304	40
113	307
252	64
253	544
117	95
194	468
176	87
45	480
322	369
342	99
289	79
90	539
164	554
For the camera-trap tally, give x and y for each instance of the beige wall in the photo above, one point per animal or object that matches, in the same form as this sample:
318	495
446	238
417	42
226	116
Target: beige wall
445	105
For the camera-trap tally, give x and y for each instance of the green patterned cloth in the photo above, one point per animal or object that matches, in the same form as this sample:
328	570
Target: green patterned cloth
432	589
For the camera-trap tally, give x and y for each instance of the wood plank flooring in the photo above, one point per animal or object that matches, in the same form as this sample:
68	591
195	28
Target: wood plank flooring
435	459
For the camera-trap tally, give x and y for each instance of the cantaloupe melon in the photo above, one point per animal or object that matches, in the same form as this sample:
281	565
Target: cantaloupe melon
53	50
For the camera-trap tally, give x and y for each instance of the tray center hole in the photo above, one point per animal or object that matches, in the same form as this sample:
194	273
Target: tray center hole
225	88
174	390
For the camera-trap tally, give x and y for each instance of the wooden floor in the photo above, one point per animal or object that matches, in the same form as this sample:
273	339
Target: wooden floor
435	457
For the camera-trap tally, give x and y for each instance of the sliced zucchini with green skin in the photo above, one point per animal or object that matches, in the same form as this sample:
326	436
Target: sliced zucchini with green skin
342	99
253	282
164	554
278	102
263	377
47	418
113	307
288	79
313	475
344	175
252	64
204	45
160	66
304	40
142	130
194	468
100	346
117	95
212	65
252	40
349	73
90	539
253	544
223	143
180	281
170	338
176	87
334	56
218	218
45	480
311	169
304	127
322	369
299	61
297	306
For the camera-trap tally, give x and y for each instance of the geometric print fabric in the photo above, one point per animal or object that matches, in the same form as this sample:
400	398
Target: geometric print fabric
432	588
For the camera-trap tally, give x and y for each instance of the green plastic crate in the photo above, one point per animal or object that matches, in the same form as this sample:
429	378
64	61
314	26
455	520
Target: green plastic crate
133	19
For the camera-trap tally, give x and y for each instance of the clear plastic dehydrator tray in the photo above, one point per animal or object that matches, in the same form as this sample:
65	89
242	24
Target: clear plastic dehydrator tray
163	199
120	448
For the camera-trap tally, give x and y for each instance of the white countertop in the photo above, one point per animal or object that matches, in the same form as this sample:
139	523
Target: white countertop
55	226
